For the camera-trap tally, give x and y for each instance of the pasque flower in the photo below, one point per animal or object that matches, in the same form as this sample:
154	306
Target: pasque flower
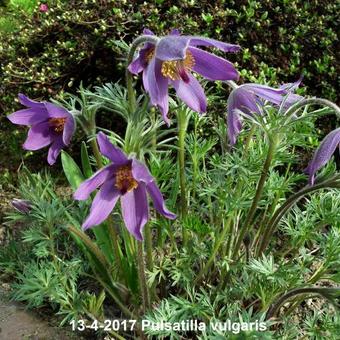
50	125
127	179
323	153
172	60
23	206
247	99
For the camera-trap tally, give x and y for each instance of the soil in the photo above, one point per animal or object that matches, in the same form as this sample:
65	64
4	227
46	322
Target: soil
17	323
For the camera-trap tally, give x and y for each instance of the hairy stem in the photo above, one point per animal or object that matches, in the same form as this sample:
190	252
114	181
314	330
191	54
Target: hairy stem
218	242
279	213
182	127
314	290
149	258
142	277
247	224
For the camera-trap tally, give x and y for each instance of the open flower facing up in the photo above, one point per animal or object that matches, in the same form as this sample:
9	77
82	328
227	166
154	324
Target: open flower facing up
50	124
247	98
127	179
171	60
323	153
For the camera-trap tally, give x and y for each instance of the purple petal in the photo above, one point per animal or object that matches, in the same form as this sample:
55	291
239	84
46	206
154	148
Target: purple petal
135	210
102	204
292	86
158	200
69	129
172	47
145	81
28	116
202	41
243	100
213	67
191	93
158	87
92	183
107	149
55	111
274	96
38	137
136	66
239	100
29	102
146	31
141	61
23	206
175	31
54	150
140	172
234	123
323	153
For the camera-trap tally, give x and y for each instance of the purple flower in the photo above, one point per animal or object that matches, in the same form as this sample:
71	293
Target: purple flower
323	153
170	62
248	97
50	125
43	8
23	206
127	179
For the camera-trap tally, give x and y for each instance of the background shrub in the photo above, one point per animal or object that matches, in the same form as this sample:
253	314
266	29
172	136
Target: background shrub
43	54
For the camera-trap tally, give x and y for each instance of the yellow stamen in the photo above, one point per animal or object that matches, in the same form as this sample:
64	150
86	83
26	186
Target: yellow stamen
57	124
173	68
124	179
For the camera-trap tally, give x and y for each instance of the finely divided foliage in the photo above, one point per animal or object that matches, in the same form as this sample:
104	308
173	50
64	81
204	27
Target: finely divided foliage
249	234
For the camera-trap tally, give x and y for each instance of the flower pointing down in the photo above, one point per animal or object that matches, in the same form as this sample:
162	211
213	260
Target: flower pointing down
127	179
49	125
323	154
248	98
172	60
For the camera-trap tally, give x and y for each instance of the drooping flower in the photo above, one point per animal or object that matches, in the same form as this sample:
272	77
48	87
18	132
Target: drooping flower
43	8
50	125
323	153
23	206
248	99
172	60
127	179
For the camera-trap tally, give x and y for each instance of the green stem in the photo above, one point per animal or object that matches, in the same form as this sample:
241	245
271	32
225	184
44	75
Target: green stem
310	101
149	258
247	224
96	153
279	213
182	127
142	277
217	246
298	291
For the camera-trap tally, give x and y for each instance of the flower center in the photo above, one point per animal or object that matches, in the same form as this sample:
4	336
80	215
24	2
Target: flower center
124	179
177	69
57	124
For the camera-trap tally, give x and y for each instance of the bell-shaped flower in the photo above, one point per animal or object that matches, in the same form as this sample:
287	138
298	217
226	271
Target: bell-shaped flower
172	60
23	206
323	153
49	125
127	179
248	98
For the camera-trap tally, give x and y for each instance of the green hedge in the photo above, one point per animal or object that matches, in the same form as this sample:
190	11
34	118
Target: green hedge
42	54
